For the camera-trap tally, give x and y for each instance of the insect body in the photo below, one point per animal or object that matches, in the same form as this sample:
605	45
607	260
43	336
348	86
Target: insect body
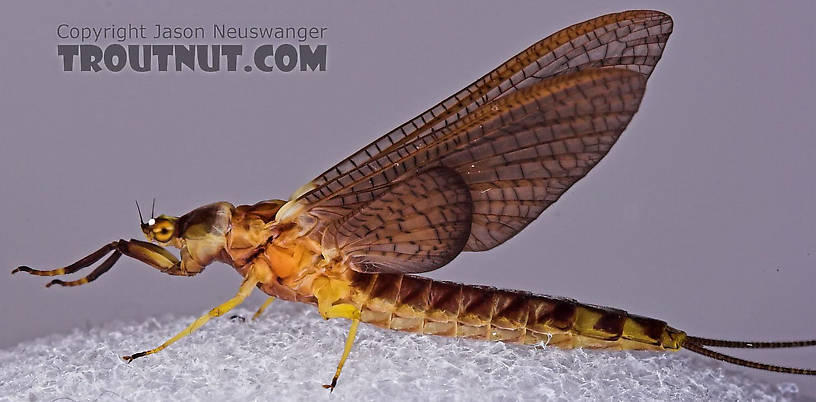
466	175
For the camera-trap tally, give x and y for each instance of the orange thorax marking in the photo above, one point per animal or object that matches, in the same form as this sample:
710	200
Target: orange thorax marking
287	262
298	264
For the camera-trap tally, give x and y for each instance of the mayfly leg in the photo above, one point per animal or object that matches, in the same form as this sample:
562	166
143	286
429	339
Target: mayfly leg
148	253
327	293
82	263
263	307
101	269
246	288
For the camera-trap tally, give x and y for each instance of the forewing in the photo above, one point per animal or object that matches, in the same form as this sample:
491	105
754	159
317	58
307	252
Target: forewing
517	154
534	144
632	40
417	225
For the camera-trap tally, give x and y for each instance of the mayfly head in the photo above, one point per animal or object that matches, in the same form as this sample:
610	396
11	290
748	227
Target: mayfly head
161	229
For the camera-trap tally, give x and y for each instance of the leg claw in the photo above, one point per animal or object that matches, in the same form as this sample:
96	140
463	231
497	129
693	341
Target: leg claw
332	385
134	356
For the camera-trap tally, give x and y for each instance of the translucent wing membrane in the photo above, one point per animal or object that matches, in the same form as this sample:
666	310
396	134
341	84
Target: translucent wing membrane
519	137
517	154
631	40
419	224
536	143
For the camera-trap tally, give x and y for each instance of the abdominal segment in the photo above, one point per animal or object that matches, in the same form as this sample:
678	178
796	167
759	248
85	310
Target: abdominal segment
414	304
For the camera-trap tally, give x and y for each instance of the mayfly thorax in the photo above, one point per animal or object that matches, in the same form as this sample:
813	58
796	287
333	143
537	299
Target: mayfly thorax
466	175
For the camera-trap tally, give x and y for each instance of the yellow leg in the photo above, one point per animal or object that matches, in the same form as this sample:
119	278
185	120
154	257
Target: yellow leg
244	291
347	349
327	293
263	307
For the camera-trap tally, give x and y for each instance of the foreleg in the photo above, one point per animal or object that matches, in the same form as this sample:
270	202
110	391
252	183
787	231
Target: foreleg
149	253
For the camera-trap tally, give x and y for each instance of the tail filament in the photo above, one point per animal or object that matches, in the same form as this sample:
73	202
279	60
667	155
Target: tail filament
698	345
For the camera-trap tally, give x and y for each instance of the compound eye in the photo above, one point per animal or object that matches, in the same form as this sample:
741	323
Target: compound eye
162	231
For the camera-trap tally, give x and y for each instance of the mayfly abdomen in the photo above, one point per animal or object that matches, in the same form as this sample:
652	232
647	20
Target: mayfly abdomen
415	304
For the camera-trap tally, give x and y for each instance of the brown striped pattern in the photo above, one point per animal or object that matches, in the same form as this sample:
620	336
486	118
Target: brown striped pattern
414	304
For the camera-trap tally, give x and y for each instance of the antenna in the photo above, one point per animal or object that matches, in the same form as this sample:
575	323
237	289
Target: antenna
153	208
140	212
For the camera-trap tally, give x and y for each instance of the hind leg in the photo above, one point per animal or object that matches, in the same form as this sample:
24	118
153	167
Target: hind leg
327	293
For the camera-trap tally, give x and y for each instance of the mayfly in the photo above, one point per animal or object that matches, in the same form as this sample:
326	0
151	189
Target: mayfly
466	175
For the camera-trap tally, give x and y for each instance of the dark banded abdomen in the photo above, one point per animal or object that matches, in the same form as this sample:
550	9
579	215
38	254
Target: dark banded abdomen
415	304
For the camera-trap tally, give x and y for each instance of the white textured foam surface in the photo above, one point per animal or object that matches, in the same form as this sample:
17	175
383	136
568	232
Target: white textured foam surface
290	351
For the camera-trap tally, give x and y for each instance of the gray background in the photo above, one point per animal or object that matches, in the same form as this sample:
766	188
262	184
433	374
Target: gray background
701	215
